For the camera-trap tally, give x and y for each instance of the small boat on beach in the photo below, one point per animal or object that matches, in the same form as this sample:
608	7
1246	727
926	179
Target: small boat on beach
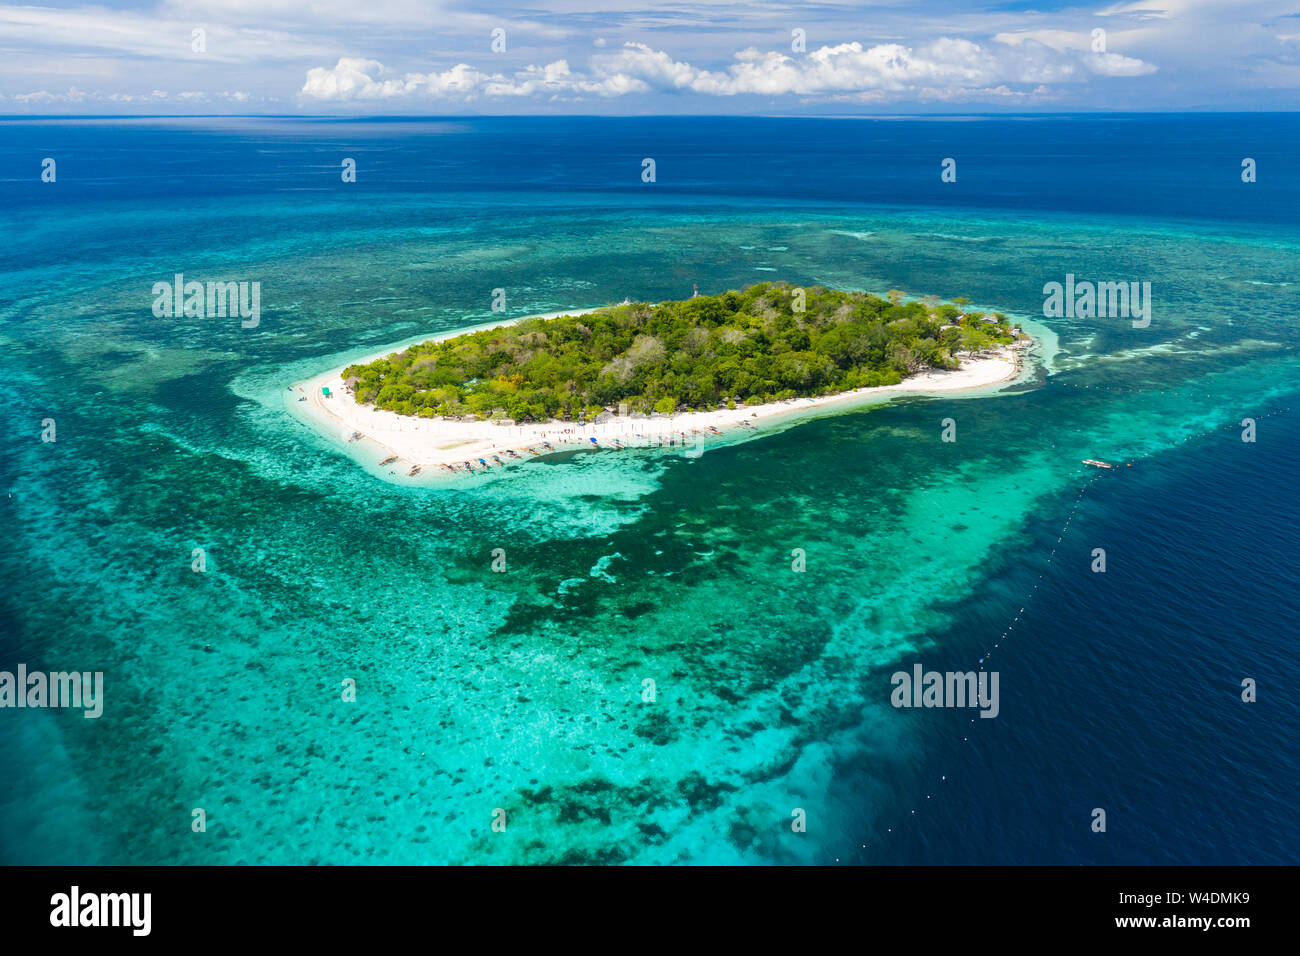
594	442
548	446
354	436
484	463
497	459
1097	464
389	460
413	472
532	451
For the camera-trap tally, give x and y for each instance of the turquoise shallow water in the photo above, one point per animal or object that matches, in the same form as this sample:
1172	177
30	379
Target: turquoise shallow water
523	690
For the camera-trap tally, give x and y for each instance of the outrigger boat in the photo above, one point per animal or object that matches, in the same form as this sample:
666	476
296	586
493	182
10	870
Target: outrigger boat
413	472
594	442
548	446
497	459
532	451
1097	464
389	460
512	453
484	463
448	467
354	436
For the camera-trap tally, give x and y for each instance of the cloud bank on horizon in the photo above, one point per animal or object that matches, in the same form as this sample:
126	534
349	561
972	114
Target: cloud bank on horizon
693	56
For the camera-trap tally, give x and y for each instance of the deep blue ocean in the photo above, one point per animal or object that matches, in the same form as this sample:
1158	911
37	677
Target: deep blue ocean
1119	691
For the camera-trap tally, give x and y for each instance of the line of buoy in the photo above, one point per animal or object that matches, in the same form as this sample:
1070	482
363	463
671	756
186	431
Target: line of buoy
1078	500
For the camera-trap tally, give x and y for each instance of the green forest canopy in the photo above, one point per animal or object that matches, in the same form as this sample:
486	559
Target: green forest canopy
749	346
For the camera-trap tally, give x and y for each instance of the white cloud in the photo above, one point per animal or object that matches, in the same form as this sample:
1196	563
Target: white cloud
187	97
943	67
117	33
1113	64
1056	39
1208	52
356	79
1102	64
349	79
73	95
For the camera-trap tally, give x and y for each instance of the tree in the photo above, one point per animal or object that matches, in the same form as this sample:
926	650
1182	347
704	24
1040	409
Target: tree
737	347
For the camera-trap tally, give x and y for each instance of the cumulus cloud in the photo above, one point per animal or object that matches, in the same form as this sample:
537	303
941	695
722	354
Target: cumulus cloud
73	95
943	67
357	79
350	79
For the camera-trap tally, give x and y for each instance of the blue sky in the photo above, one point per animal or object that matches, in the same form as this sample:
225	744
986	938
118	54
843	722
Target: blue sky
634	57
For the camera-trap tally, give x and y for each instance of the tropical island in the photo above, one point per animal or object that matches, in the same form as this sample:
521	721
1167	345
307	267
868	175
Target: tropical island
768	343
685	373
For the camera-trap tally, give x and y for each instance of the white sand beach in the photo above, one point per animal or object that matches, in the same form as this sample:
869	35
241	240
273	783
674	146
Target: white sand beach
444	449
